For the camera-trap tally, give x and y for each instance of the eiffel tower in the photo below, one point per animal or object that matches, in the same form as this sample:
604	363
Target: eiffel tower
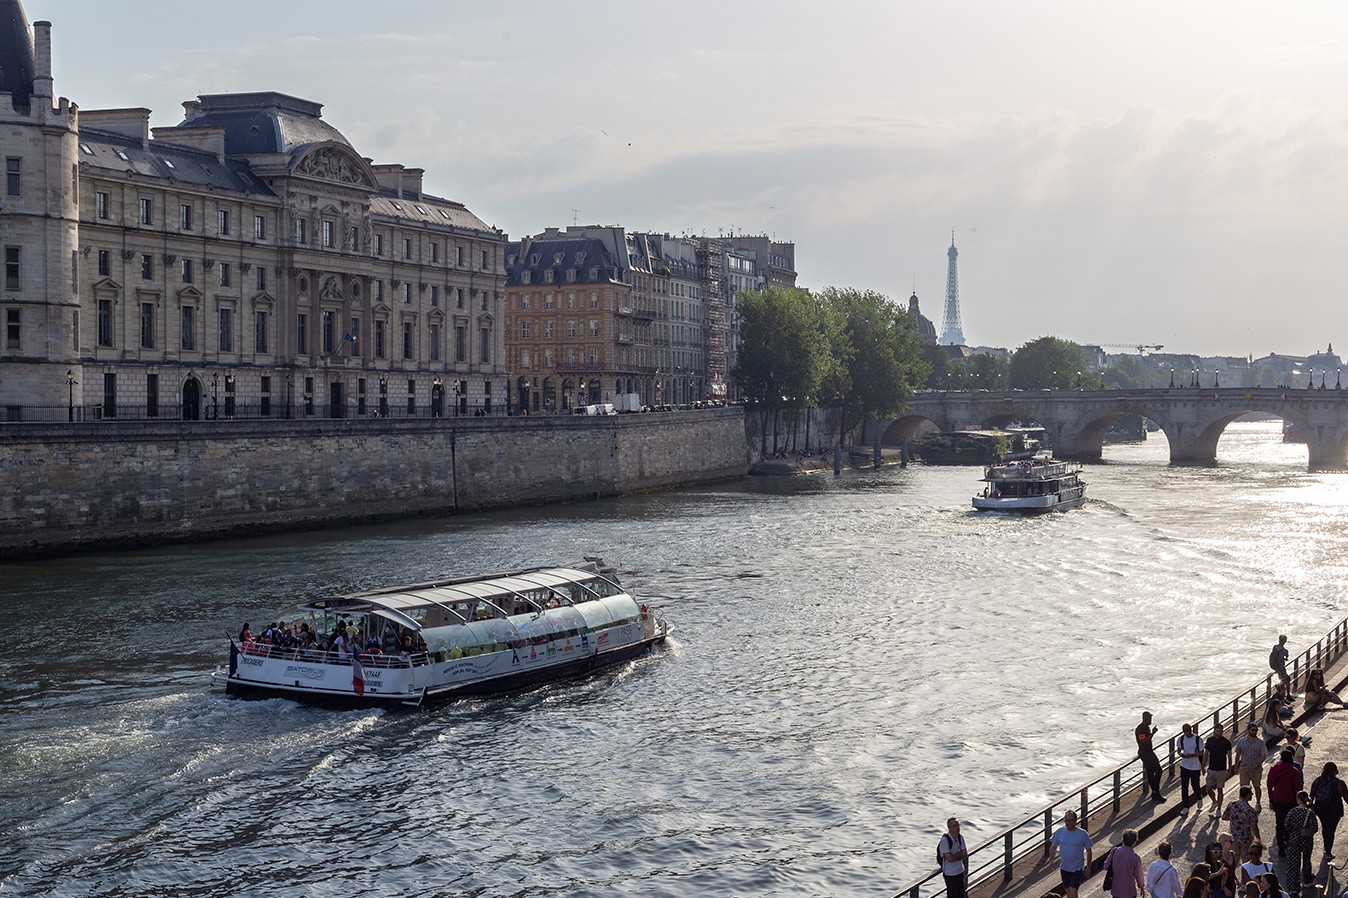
952	332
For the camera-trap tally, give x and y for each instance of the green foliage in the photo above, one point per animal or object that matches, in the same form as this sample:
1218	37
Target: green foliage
1051	363
938	378
879	352
786	339
976	372
1135	372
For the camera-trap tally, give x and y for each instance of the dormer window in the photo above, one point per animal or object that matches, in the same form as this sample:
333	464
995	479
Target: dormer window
169	163
121	154
594	274
396	205
580	258
547	276
533	260
420	209
526	277
571	275
556	258
86	150
444	215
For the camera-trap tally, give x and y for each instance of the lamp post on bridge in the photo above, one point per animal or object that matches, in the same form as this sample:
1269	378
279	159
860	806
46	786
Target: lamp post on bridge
1055	380
1323	372
1338	378
1172	378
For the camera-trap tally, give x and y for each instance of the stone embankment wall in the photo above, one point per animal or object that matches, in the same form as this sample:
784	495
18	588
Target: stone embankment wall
71	487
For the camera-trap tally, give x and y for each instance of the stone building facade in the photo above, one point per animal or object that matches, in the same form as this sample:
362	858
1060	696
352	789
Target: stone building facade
593	312
248	262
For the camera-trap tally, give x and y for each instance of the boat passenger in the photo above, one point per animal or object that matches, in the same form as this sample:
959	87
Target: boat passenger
1318	695
245	635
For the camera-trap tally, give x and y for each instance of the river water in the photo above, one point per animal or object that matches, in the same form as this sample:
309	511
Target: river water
854	660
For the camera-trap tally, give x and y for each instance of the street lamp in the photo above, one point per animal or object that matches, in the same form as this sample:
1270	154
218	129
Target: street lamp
456	398
1078	380
1172	378
1216	375
229	396
215	395
70	388
1055	380
290	393
1338	378
437	397
1323	372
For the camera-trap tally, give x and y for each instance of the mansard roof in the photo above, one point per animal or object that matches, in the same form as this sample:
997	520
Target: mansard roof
119	154
559	254
16	53
262	122
426	208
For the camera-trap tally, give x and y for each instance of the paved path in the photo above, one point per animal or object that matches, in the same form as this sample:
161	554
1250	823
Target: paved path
1189	834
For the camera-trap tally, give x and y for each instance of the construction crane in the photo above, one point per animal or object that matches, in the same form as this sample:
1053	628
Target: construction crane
1142	348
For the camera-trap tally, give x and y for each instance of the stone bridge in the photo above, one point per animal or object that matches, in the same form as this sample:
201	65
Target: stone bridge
1192	418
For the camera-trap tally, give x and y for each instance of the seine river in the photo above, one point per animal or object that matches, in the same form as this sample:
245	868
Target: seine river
855	659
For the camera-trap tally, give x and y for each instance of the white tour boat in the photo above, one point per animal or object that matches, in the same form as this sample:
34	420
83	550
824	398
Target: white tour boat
446	638
1039	483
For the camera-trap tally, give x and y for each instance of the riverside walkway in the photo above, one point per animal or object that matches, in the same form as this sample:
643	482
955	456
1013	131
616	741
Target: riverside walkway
1017	863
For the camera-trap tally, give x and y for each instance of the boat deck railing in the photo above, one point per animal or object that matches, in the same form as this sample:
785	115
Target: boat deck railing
1021	470
318	656
998	857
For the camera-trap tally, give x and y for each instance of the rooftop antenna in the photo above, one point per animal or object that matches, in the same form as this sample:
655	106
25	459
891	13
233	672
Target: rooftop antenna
575	216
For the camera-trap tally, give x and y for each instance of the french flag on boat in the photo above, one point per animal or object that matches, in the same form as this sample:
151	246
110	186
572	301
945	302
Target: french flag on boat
357	674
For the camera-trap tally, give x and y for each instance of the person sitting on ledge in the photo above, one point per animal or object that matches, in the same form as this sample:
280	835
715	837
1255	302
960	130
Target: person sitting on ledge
1272	723
1318	695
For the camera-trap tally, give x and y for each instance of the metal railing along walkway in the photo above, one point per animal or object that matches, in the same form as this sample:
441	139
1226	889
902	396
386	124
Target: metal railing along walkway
995	861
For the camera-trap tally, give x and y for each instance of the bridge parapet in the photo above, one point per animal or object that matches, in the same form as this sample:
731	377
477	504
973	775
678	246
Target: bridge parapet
1192	419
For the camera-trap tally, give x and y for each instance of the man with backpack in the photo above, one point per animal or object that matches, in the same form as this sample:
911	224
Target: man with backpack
953	856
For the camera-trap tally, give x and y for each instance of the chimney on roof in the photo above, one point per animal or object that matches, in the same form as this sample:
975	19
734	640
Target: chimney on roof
42	86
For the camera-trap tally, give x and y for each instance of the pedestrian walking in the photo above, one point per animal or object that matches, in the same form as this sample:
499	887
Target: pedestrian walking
1145	734
954	856
1219	766
1301	828
1284	782
1244	820
1327	795
1277	661
1191	766
1163	879
1072	846
1125	867
1251	752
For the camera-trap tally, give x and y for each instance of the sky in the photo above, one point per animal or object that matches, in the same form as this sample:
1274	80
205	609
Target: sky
1127	173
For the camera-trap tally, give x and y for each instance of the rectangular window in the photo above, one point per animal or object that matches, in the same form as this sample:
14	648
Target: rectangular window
302	334
226	330
547	329
147	325
301	231
355	337
146	267
407	247
261	278
104	263
109	395
411	397
458	256
525	329
485	263
459	301
484	353
152	395
329	240
379	339
12	268
189	327
460	343
224	274
146	211
105	322
12	173
407	292
435	251
260	330
187	271
308	396
101	204
185	217
484	300
435	296
594	327
327	328
13	329
259	227
378	244
224	222
378	291
407	340
435	342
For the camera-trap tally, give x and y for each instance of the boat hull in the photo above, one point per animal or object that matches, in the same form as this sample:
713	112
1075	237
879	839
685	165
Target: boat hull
513	680
1028	504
